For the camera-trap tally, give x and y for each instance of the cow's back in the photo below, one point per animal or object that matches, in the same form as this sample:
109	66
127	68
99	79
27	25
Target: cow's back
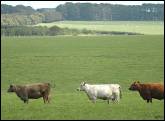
38	86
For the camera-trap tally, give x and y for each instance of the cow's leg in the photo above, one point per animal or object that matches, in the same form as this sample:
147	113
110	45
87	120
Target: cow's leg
148	100
44	99
25	101
114	96
49	98
108	101
113	100
118	97
43	96
148	96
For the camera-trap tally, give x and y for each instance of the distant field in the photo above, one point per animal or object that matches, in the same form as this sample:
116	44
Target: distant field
68	60
142	27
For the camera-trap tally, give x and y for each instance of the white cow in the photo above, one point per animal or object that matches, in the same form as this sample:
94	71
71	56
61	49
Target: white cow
101	91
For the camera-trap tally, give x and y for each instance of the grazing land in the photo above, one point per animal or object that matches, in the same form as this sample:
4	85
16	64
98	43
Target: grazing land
67	60
141	27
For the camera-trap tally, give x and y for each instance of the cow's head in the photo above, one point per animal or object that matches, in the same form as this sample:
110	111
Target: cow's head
134	86
82	86
11	88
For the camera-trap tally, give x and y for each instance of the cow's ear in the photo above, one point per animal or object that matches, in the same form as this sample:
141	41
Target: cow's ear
84	82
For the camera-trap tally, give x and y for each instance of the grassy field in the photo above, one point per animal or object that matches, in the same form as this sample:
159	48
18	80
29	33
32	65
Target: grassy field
142	27
68	60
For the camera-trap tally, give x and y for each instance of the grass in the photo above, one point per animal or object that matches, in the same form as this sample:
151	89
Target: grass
77	106
142	27
68	60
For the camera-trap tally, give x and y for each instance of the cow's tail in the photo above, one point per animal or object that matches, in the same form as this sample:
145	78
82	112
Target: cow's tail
120	92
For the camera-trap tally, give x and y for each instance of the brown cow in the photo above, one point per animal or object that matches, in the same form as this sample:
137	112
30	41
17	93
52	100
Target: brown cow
149	90
31	91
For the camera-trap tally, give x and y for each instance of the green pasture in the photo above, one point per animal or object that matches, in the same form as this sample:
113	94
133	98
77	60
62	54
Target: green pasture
142	27
67	60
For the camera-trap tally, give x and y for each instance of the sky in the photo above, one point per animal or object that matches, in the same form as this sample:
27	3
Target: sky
54	4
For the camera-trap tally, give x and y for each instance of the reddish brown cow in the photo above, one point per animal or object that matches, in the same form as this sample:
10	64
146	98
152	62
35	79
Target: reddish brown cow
149	90
32	91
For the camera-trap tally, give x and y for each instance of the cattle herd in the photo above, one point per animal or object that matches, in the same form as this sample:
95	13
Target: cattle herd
94	91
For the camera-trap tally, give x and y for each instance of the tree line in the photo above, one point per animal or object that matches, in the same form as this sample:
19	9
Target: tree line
89	11
32	31
53	31
26	15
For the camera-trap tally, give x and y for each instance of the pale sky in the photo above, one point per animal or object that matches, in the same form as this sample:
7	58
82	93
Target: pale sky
54	4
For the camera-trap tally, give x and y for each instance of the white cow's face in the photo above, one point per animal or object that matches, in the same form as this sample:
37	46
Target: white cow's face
82	86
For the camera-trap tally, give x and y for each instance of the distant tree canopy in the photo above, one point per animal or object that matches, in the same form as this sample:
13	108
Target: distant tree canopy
26	15
17	19
50	14
89	11
22	15
8	9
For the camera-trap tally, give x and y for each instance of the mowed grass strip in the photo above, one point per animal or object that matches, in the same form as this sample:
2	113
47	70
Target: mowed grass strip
142	27
66	61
